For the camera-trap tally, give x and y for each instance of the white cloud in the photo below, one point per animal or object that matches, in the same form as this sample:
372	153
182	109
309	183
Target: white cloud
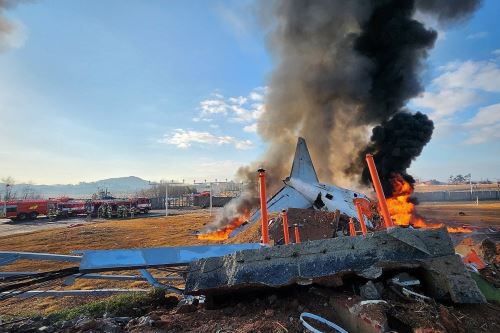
251	128
446	102
240	100
460	86
237	109
486	116
482	75
496	53
185	138
477	35
485	134
215	105
485	125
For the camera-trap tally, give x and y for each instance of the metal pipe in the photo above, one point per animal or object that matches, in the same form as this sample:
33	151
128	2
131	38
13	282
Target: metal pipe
380	192
361	218
263	205
352	230
297	234
151	280
286	234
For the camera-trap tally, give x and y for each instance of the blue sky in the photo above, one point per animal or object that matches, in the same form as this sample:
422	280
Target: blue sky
172	89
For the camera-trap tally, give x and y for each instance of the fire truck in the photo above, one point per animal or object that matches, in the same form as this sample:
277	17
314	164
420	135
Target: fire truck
70	207
142	204
26	209
66	207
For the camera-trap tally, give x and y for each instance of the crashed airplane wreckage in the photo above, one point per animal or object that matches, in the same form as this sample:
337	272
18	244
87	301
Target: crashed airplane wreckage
331	261
303	190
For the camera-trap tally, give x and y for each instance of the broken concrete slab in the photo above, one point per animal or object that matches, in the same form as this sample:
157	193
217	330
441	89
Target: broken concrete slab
328	259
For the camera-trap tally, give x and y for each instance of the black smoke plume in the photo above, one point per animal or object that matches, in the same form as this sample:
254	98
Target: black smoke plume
397	45
395	144
342	68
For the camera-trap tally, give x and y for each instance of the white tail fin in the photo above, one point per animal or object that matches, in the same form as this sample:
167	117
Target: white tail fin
303	167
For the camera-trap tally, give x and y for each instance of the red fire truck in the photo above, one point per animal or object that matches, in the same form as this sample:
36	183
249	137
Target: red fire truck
66	207
71	207
142	204
26	209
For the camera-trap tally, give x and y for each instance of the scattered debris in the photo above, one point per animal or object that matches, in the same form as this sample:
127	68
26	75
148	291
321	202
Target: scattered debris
411	294
329	261
321	320
404	280
473	259
369	291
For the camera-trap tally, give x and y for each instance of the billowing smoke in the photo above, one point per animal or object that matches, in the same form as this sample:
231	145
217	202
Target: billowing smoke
11	33
236	208
341	68
395	143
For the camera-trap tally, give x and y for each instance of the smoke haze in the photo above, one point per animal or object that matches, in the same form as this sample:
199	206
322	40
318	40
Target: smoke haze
12	34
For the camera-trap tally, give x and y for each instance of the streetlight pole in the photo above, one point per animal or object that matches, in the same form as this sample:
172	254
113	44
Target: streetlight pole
5	200
470	184
210	199
166	199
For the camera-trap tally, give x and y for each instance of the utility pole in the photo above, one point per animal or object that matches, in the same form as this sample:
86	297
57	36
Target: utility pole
210	199
5	200
470	184
166	199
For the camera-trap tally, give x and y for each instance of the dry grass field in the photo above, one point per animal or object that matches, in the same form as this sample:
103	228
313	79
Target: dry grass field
146	232
484	214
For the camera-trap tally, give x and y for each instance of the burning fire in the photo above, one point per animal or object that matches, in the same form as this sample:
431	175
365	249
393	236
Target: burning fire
402	210
224	232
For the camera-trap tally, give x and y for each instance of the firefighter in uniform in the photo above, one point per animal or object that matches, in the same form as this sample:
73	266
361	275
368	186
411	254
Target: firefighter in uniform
100	211
132	212
88	209
52	213
121	211
109	211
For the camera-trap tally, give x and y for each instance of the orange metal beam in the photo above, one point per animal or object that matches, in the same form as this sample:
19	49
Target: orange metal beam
297	233
380	192
352	230
361	219
286	234
263	205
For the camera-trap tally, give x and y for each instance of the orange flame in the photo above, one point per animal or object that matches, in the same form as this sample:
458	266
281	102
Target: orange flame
402	210
224	232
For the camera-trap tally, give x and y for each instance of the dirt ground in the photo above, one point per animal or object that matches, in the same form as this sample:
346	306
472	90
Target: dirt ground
164	231
485	214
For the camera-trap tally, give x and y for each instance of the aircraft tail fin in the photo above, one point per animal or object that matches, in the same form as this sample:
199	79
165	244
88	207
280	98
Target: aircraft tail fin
303	167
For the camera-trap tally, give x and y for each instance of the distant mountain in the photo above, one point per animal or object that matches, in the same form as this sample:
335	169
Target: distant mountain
122	186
